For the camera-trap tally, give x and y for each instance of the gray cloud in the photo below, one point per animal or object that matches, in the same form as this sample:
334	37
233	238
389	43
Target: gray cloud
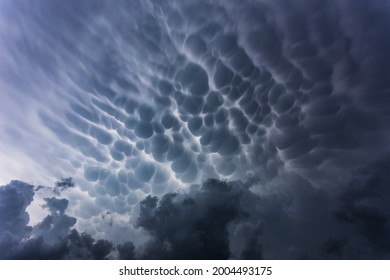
220	220
140	99
14	198
193	225
54	237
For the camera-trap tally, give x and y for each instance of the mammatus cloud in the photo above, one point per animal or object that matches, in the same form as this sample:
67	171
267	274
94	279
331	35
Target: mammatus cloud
140	100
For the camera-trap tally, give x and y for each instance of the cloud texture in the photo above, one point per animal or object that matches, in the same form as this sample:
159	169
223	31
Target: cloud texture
277	110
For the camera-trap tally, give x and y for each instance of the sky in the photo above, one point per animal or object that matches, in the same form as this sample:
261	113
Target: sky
194	129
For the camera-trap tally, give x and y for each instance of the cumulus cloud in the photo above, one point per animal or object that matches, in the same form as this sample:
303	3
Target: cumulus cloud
192	225
54	237
14	198
221	220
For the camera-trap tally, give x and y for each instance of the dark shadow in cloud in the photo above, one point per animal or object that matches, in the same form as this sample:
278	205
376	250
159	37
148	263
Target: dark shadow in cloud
126	251
364	206
193	225
63	184
74	246
54	237
14	199
222	220
56	205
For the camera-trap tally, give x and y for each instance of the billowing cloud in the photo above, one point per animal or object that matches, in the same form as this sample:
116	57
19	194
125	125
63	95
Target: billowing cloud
193	225
14	198
53	238
221	220
140	100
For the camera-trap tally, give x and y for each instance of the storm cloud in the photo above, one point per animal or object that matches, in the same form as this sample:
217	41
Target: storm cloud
53	238
14	198
192	225
223	220
143	100
226	220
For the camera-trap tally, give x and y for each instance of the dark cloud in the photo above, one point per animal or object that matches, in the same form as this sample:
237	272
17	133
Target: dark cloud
56	205
54	237
220	220
14	199
141	98
193	225
126	251
364	207
73	246
63	184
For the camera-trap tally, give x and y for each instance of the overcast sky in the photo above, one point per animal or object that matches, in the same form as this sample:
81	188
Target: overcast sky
243	129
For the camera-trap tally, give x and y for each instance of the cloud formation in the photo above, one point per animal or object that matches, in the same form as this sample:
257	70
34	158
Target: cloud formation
221	220
14	198
141	99
193	225
53	238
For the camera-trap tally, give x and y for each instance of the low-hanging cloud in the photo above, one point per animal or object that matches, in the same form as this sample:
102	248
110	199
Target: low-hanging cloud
222	220
53	238
139	100
14	198
192	225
